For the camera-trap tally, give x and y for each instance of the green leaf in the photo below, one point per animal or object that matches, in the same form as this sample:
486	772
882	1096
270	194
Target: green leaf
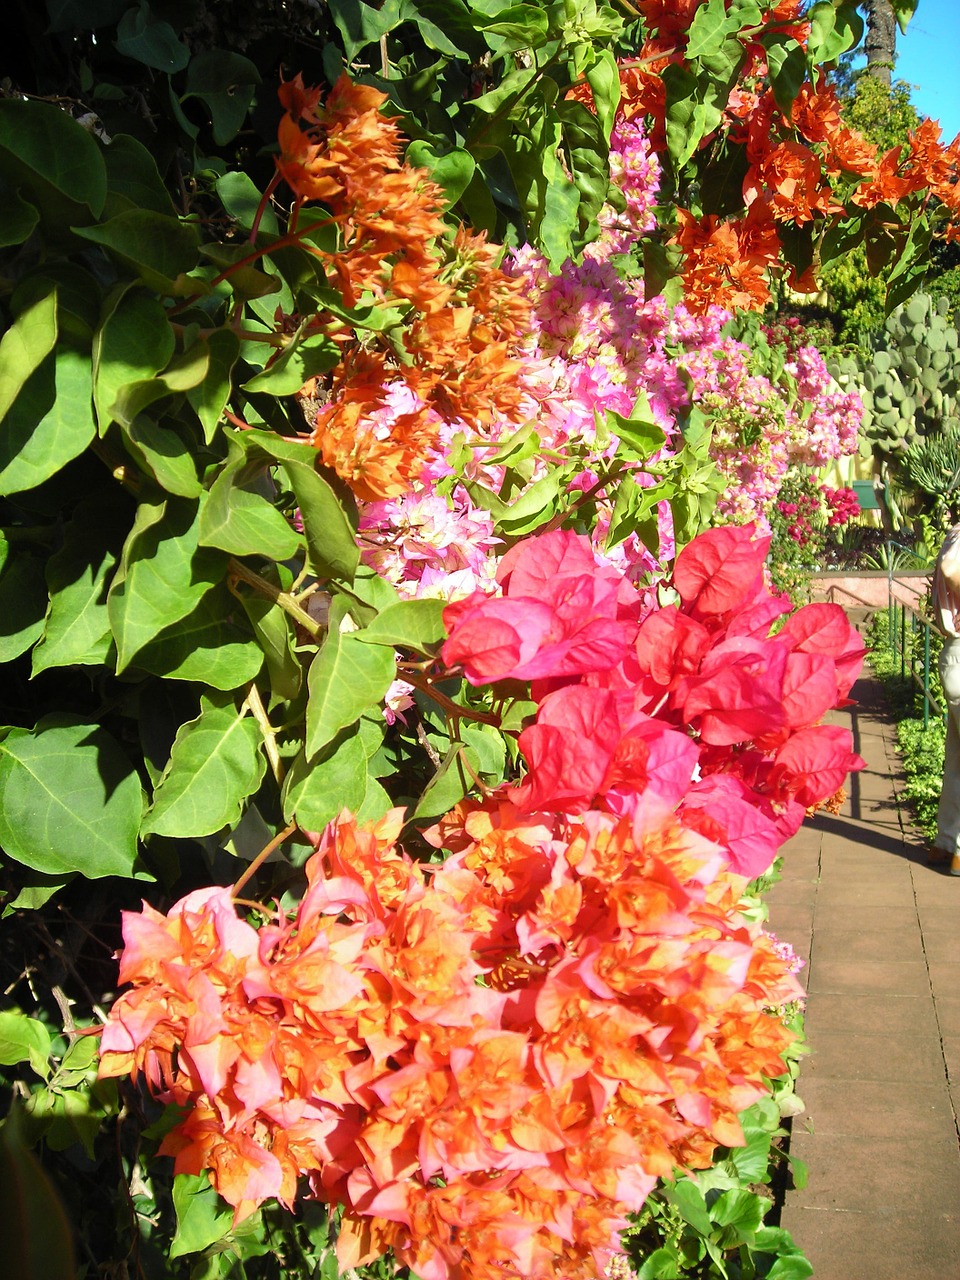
787	62
50	424
209	398
55	162
242	199
143	36
740	1214
317	787
25	346
161	452
450	783
83	15
163	575
37	1237
295	365
216	763
687	1199
69	800
408	624
207	645
694	109
712	26
277	638
452	169
904	10
639	432
132	173
133	344
158	247
24	1039
833	30
224	82
331	541
239	517
603	77
662	1264
345	679
202	1217
18	218
23	601
362	24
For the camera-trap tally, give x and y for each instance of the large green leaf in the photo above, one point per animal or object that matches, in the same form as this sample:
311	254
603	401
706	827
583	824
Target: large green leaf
18	218
25	346
318	787
134	343
346	678
69	800
224	82
160	451
302	360
207	646
159	247
329	522
50	423
163	575
143	36
132	174
209	397
202	1217
55	162
239	517
277	638
37	1236
77	627
408	624
215	764
23	600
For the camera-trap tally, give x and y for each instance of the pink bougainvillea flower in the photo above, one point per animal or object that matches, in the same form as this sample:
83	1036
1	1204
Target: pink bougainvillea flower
561	614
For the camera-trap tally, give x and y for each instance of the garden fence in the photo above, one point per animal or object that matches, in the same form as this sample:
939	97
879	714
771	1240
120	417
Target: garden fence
917	642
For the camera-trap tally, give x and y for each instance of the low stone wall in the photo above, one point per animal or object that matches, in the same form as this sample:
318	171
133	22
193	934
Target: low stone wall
869	590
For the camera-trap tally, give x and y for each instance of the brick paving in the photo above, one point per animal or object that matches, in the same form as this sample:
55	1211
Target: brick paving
880	930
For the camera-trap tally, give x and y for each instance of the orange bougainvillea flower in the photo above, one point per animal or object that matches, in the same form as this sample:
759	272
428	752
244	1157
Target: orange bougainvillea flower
487	1062
462	315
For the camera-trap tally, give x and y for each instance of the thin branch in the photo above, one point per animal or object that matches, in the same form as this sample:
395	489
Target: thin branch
262	856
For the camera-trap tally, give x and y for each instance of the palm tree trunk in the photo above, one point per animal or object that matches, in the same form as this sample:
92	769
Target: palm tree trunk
881	42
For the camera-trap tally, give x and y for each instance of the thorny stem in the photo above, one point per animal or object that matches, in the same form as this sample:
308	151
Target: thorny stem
255	703
281	598
594	489
262	856
455	709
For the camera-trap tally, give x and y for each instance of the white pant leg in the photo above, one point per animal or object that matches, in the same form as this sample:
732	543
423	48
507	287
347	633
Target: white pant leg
948	813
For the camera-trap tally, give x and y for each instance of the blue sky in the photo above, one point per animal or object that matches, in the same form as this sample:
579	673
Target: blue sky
929	58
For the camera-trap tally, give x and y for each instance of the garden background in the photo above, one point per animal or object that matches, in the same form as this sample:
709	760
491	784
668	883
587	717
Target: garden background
420	423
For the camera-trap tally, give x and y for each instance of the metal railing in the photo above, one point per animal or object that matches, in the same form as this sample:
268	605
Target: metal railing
910	636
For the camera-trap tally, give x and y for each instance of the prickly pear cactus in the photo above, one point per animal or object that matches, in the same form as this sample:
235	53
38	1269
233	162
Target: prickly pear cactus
911	386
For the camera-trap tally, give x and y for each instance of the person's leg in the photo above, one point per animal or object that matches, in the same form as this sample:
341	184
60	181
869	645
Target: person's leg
948	813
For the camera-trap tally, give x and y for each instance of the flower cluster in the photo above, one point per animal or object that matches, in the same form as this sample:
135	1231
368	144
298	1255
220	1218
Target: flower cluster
802	165
693	702
488	1062
842	504
380	415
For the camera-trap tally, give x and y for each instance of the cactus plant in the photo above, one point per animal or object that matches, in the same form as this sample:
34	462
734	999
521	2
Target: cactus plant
911	385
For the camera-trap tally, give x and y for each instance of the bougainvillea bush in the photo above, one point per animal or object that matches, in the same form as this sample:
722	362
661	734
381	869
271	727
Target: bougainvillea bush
387	633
